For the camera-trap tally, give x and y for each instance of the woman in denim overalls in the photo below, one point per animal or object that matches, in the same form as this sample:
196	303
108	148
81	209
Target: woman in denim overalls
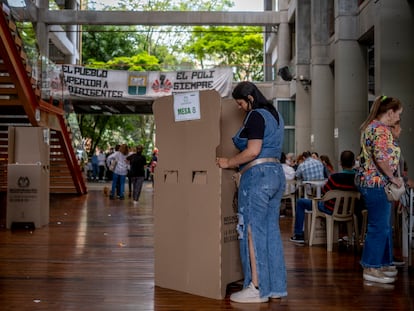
260	192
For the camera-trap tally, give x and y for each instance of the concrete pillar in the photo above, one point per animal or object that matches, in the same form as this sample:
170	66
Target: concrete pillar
72	34
303	58
283	36
322	106
351	87
42	30
394	65
267	58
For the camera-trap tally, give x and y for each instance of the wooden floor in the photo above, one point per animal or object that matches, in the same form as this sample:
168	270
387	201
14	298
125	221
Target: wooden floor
98	254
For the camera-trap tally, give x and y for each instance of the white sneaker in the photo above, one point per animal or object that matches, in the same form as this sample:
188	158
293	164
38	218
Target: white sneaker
389	271
376	275
249	294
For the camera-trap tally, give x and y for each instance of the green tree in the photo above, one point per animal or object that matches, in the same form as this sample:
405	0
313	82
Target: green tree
143	48
103	43
239	47
103	131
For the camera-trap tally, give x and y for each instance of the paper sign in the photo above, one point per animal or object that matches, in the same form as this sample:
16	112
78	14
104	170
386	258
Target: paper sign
187	106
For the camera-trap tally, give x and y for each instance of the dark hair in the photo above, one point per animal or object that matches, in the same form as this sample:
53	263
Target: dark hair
246	88
347	159
282	157
306	154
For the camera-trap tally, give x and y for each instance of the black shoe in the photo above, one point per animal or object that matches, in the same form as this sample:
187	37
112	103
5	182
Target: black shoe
111	197
121	198
297	238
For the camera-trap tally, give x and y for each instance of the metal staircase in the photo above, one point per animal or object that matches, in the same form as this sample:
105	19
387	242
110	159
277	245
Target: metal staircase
21	105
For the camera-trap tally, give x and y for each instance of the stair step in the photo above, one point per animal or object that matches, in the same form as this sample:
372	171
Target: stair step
12	26
8	91
6	79
13	112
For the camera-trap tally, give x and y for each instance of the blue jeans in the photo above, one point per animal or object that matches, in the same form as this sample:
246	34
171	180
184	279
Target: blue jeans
95	170
301	206
378	248
260	192
115	178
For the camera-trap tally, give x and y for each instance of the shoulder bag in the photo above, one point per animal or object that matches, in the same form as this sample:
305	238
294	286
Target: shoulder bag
394	192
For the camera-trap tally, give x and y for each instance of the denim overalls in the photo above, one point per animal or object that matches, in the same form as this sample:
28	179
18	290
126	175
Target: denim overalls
260	192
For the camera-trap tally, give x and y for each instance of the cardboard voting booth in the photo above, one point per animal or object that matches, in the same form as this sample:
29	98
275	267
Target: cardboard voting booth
196	243
28	176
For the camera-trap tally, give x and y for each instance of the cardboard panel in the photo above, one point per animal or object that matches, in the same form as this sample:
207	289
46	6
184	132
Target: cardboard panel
28	194
29	145
191	252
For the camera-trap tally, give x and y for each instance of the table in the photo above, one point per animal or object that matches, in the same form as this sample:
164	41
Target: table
314	184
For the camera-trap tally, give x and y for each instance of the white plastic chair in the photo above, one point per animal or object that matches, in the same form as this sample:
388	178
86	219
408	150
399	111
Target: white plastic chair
343	212
289	195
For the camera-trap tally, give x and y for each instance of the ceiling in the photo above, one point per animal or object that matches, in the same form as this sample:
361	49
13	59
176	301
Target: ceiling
109	107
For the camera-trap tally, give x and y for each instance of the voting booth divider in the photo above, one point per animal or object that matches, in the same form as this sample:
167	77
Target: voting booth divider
196	243
28	176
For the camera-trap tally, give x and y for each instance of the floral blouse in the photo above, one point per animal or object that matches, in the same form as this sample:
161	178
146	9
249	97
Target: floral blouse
376	143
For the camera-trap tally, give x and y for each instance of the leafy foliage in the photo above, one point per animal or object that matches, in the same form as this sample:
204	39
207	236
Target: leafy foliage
104	43
103	132
144	48
240	47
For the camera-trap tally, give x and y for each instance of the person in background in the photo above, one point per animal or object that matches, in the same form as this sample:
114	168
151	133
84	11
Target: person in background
120	171
328	167
290	186
262	183
101	164
309	169
291	160
137	164
153	164
379	160
95	166
289	172
108	171
339	181
404	201
299	159
129	176
396	132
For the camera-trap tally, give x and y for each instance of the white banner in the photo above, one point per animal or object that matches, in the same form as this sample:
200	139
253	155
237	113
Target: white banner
112	84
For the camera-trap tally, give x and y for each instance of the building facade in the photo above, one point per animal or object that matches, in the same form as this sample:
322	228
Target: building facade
325	60
336	56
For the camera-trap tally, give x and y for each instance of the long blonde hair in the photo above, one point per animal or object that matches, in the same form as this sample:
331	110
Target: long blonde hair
381	105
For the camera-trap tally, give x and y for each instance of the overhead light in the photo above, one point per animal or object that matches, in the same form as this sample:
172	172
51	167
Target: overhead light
111	109
95	107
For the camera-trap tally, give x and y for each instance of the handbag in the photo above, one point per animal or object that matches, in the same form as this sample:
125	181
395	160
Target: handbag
393	192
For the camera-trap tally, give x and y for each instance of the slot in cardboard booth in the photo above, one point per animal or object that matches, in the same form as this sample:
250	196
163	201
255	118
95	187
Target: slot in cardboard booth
28	176
196	245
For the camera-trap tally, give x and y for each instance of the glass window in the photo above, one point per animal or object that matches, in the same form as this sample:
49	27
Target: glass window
286	108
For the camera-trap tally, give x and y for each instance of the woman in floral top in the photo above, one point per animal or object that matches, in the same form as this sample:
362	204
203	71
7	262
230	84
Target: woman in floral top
379	160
